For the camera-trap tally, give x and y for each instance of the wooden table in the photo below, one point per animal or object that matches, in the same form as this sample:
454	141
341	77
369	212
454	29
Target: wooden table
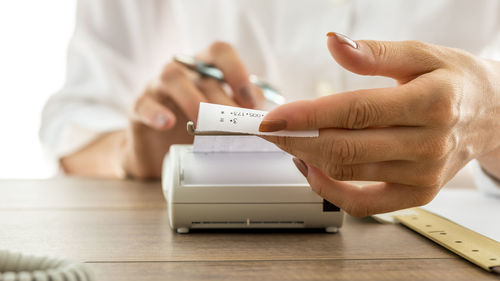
121	230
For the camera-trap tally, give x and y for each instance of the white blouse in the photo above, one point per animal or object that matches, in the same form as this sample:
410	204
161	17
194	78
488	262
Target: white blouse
120	45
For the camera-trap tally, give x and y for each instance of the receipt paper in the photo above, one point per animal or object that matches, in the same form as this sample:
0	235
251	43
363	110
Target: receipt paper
222	118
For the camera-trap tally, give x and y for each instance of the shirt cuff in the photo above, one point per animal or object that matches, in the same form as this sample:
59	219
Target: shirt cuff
75	128
484	181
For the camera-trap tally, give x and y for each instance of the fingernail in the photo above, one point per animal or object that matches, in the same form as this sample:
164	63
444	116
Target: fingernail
160	120
247	96
343	39
301	166
272	125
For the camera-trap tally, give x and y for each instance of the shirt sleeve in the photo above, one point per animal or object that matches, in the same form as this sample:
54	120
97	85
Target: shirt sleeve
483	181
104	74
492	49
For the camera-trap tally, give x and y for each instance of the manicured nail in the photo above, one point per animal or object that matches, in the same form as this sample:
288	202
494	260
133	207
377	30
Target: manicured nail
343	39
161	120
247	95
301	166
272	125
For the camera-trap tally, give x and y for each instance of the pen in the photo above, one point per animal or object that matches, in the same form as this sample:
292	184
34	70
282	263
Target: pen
270	93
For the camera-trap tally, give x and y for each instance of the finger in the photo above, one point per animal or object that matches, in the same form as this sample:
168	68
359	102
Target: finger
400	172
396	106
225	57
260	100
214	93
367	200
400	60
176	84
347	147
153	114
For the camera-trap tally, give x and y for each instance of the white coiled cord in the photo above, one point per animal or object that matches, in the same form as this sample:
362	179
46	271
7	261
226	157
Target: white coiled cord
18	267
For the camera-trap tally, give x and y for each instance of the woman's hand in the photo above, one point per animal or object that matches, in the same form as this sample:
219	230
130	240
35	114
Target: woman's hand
413	137
161	113
159	117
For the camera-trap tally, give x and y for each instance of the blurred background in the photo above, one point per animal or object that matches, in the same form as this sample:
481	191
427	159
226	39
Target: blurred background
35	35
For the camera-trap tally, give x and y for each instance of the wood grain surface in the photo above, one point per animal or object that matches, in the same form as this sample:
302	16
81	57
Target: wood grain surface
121	229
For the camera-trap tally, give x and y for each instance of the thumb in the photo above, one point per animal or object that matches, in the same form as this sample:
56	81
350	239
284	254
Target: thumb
399	60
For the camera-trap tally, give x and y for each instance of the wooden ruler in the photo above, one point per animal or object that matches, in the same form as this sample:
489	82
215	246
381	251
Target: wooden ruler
470	245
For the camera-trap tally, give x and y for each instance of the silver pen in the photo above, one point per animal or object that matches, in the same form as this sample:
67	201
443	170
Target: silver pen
208	70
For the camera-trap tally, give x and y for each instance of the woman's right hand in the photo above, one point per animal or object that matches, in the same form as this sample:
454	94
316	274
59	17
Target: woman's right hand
160	113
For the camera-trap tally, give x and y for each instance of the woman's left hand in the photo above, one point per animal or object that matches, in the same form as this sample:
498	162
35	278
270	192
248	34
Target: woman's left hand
413	137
